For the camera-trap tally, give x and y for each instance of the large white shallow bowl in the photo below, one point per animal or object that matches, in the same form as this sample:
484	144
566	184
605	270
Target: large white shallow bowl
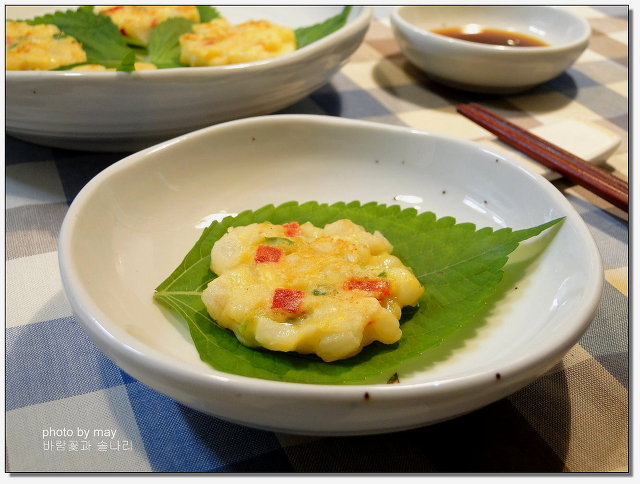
132	224
118	111
490	68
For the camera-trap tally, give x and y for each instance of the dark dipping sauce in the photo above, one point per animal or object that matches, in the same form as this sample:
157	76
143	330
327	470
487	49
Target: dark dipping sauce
485	35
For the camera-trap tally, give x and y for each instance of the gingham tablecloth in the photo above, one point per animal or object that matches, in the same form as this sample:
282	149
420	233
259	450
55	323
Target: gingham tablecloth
69	409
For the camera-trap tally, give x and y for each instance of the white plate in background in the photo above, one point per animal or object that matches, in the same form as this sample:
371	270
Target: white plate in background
120	111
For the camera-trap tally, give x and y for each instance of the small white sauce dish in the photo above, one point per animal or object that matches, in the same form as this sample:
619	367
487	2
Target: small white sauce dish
133	223
487	68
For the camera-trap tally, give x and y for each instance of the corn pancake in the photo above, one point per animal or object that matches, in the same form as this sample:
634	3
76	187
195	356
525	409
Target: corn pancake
218	43
327	291
39	47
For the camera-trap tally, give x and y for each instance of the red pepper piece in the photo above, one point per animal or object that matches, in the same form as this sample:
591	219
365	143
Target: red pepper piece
292	229
379	288
288	300
267	253
112	9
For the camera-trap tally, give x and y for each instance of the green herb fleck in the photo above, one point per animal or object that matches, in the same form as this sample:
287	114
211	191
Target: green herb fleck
277	241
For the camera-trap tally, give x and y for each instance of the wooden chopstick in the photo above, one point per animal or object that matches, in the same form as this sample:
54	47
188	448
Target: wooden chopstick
593	178
558	155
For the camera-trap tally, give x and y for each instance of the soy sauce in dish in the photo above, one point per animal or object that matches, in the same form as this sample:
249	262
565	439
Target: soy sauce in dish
487	35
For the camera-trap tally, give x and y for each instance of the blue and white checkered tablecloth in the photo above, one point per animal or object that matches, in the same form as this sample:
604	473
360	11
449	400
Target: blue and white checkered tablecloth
70	409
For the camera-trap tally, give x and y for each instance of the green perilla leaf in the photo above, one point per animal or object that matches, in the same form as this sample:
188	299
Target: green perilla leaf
459	266
308	35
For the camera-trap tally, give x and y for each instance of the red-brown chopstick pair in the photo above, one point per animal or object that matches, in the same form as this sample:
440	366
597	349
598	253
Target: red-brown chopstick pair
594	179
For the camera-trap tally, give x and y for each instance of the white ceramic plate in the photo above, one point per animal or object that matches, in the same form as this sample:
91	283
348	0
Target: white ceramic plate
132	224
117	111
